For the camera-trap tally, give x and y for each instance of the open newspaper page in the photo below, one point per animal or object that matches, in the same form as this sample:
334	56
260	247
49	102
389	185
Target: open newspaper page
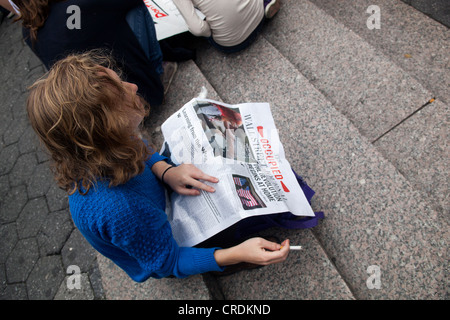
167	18
239	145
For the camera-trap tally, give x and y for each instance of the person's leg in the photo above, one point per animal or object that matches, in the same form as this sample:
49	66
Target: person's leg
271	7
141	22
247	42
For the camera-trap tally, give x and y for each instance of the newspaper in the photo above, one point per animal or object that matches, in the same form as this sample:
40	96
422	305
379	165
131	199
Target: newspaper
239	145
168	20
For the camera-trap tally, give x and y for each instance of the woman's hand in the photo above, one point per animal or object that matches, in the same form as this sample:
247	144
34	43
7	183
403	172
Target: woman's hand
184	179
255	250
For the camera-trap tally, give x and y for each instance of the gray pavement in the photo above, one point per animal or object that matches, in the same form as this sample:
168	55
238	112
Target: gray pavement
38	239
39	242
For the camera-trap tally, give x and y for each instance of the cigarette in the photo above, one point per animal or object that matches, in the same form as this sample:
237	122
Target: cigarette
293	247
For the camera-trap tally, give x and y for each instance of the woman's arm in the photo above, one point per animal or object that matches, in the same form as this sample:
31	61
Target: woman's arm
255	250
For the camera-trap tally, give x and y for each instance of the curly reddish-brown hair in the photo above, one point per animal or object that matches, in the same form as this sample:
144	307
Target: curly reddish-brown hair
33	14
77	110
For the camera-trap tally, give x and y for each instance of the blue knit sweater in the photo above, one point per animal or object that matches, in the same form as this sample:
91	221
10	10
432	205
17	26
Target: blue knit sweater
128	225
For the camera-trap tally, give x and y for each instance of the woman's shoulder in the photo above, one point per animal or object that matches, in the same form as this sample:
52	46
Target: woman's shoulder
100	198
103	199
101	206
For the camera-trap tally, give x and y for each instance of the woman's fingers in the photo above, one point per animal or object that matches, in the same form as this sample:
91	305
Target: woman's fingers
200	175
261	251
199	185
274	252
192	176
269	245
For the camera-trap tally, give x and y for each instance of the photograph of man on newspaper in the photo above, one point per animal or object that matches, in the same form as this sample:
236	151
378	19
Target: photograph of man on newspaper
225	131
247	194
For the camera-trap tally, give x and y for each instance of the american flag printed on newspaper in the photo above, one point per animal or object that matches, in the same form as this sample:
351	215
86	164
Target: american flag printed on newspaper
244	193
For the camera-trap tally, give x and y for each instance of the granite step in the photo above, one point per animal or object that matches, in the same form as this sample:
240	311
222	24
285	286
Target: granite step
359	80
380	79
375	219
412	40
395	70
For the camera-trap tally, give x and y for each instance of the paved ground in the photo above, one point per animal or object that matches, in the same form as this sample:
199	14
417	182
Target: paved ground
39	242
38	238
